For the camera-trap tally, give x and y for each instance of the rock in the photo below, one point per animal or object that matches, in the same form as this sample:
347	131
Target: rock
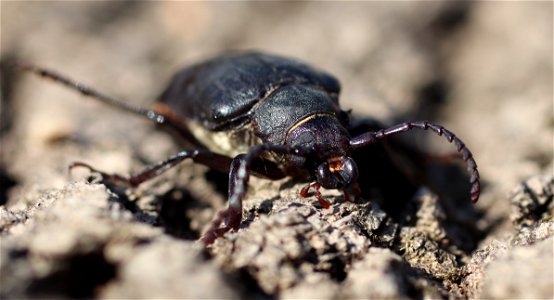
78	240
380	275
522	272
167	268
517	266
295	245
532	200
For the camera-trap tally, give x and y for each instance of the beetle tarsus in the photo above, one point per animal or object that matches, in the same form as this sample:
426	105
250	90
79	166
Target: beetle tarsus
304	192
111	178
324	203
316	186
353	189
230	218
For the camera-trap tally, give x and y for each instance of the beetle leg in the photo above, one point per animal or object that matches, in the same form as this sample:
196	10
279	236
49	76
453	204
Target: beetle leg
85	90
241	167
205	157
212	160
305	190
372	137
159	114
304	193
232	215
353	189
113	178
172	122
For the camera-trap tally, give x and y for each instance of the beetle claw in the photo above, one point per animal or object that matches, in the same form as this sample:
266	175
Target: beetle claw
113	179
305	190
82	165
229	217
353	189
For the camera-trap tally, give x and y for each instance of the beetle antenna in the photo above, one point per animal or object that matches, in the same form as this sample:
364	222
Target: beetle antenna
372	137
89	92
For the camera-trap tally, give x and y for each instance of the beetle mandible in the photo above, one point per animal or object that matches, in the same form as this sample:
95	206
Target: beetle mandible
277	116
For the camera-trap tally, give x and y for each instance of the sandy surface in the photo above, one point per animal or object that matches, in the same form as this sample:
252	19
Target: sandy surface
482	69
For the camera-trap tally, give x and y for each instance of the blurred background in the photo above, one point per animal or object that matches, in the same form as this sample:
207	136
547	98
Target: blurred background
482	69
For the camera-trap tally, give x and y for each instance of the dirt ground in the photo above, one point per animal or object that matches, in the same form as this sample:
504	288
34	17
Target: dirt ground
482	69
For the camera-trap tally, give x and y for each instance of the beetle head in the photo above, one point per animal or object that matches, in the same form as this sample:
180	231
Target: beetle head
329	161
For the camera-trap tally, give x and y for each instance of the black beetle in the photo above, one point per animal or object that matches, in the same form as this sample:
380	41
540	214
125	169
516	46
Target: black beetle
263	115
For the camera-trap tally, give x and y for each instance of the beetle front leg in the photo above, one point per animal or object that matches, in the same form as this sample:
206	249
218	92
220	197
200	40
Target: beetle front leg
241	167
232	215
315	185
239	173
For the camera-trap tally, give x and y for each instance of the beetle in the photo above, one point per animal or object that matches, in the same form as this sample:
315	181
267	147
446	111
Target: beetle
252	113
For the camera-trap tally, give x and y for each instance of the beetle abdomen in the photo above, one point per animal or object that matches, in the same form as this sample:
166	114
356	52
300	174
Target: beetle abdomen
230	142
